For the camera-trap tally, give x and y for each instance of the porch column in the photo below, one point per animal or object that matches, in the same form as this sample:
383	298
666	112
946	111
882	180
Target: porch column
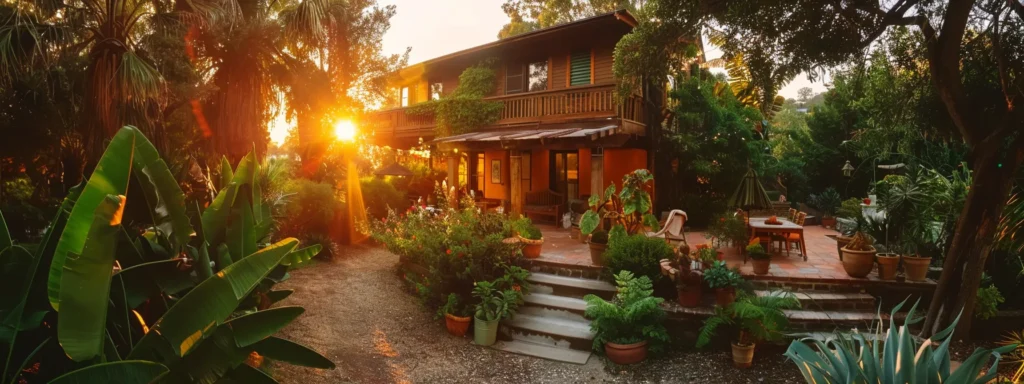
597	172
453	180
515	171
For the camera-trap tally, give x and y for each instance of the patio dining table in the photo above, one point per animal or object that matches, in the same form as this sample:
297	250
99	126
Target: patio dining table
758	226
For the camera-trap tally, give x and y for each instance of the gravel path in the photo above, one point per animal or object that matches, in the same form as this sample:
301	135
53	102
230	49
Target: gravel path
359	316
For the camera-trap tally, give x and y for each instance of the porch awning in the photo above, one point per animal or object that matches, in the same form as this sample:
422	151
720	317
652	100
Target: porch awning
531	134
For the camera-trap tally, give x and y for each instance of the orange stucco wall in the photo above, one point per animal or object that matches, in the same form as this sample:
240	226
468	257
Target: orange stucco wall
540	162
620	161
584	174
495	191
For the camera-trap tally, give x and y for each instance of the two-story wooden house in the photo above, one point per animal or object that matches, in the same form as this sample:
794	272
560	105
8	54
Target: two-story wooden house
562	127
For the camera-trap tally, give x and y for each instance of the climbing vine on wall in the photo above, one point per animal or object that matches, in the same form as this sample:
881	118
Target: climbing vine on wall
464	109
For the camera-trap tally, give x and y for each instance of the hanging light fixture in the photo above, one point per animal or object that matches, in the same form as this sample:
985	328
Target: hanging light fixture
848	169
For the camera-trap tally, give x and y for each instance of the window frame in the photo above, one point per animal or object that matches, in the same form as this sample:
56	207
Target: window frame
522	74
403	96
528	76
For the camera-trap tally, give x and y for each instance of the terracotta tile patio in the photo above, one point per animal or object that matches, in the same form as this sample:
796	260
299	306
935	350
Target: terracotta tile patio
822	257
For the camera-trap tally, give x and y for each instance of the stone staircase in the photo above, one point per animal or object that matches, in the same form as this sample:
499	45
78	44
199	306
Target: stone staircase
550	324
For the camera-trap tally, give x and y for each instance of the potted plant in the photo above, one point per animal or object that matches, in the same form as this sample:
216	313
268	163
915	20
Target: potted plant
630	209
761	260
456	315
827	202
598	244
759	318
915	265
708	255
494	306
627	326
724	281
888	263
859	255
529	236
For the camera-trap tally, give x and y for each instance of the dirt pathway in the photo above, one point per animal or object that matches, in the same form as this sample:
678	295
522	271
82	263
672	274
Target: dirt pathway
359	315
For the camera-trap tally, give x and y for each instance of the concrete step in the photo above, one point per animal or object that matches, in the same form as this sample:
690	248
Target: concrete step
831	301
543	351
571	304
551	331
570	286
800	320
538	311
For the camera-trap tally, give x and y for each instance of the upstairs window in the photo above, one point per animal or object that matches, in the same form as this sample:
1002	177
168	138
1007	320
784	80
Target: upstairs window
405	96
513	78
436	90
579	68
538	76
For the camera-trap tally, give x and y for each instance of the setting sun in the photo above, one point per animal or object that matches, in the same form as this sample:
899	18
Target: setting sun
344	130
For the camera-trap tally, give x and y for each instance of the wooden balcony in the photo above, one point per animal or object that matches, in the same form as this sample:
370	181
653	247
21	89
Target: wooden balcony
555	106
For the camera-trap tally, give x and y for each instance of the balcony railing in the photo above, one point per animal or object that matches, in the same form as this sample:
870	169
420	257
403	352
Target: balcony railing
577	103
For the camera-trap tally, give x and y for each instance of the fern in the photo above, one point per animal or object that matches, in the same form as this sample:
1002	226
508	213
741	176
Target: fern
633	316
759	316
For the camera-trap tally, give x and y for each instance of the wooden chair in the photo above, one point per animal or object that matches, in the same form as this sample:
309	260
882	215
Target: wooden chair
544	203
794	238
792	214
673	228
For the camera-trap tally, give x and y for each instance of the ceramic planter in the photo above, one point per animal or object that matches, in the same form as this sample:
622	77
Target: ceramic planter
916	268
457	326
761	266
725	296
742	355
597	253
887	265
531	248
858	263
841	242
485	332
623	354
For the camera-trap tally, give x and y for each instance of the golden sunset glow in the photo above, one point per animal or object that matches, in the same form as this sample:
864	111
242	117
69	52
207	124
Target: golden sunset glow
344	130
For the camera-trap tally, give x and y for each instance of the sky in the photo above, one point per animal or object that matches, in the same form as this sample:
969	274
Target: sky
434	28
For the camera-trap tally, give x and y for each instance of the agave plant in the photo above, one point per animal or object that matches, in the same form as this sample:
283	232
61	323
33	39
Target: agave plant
149	307
895	357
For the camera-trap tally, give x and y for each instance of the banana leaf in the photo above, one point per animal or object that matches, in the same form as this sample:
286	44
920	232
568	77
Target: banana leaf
292	353
122	372
215	217
210	361
162	193
5	235
137	284
223	257
202	261
226	173
302	255
85	284
241	237
109	178
249	375
256	326
277	296
199	313
14	262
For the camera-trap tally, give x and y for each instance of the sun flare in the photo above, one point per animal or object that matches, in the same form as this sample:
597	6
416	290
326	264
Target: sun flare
344	130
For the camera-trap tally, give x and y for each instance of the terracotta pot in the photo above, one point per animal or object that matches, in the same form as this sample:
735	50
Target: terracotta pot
841	242
742	356
761	266
456	325
887	265
725	296
916	268
574	233
597	253
485	332
858	263
623	354
689	295
720	255
531	248
828	222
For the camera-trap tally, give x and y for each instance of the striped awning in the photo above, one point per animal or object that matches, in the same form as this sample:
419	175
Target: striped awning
530	134
750	194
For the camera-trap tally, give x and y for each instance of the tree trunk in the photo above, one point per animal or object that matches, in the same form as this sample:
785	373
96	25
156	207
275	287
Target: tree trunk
973	238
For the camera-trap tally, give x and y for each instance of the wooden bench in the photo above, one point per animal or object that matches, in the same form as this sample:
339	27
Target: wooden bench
544	203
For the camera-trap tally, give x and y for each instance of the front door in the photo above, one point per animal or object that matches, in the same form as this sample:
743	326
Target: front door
565	173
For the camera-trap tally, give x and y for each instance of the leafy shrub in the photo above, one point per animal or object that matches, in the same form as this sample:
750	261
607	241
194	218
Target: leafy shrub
759	318
756	251
638	254
720	276
379	196
827	202
728	228
891	357
706	253
309	209
451	250
851	208
599	236
988	302
497	300
634	315
525	228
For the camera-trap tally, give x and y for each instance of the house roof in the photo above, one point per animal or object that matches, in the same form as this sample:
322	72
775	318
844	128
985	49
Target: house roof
620	15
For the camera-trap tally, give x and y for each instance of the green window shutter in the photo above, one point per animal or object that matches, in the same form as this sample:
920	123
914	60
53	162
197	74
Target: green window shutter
579	68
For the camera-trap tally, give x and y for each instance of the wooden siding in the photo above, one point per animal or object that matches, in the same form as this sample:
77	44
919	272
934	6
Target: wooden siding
603	60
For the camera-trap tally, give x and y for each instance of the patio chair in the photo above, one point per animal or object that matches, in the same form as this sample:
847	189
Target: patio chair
673	228
794	238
